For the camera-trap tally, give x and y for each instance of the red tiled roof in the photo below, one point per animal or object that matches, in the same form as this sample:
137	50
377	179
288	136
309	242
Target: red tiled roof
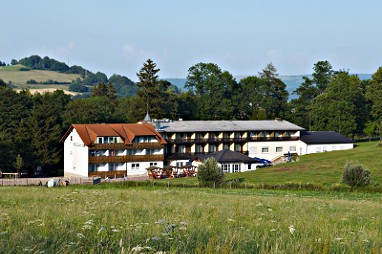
127	131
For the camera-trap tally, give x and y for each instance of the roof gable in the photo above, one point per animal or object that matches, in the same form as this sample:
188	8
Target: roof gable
127	132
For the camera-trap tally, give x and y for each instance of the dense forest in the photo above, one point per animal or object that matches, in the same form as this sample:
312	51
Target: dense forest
32	125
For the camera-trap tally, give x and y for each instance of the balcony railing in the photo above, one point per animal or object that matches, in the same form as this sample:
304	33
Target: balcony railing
179	156
121	146
228	140
125	158
110	174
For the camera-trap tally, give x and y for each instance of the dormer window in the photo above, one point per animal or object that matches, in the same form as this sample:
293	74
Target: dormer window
100	140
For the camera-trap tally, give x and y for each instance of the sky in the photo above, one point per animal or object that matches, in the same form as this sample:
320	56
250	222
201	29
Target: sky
242	36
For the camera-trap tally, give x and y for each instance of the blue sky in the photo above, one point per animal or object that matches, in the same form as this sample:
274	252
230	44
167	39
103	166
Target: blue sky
240	36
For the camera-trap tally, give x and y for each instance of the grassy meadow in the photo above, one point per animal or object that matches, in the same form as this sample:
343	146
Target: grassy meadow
20	78
323	170
121	219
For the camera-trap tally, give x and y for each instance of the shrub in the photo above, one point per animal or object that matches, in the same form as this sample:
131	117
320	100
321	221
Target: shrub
355	175
209	173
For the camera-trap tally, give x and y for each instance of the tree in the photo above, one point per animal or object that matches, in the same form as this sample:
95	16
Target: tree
18	164
14	62
3	85
148	84
213	90
374	94
209	173
340	108
322	75
299	113
276	98
355	175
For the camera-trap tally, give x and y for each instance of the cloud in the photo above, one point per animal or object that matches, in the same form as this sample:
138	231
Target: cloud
128	49
65	49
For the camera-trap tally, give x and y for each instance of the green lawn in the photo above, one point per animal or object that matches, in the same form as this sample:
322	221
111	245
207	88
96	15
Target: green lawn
120	219
20	78
324	169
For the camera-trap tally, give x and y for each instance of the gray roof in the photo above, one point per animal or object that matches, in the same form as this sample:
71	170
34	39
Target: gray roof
225	125
225	156
324	137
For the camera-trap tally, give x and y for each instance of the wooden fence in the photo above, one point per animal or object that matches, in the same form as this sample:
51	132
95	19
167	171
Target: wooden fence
44	181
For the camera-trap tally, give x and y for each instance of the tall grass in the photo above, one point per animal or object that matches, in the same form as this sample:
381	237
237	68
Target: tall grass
120	219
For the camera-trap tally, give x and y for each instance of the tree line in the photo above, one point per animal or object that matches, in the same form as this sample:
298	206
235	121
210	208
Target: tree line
31	125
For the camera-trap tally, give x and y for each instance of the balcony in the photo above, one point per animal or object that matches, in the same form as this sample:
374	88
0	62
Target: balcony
110	174
228	140
125	158
120	146
187	156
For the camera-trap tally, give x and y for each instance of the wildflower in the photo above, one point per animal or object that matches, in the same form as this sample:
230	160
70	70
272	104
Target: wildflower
365	241
155	238
183	223
101	230
273	230
291	229
80	235
231	220
270	210
171	227
160	222
338	238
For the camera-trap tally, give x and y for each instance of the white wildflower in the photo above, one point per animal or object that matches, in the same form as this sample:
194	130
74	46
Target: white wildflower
231	220
101	230
338	238
273	230
292	229
80	235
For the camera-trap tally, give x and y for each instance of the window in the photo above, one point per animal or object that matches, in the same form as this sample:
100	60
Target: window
279	149
292	148
212	148
226	168
265	149
135	166
225	146
99	140
71	138
236	168
237	148
153	164
179	164
198	149
113	140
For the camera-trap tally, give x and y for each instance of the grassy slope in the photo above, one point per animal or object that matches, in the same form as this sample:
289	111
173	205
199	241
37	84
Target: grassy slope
19	78
322	168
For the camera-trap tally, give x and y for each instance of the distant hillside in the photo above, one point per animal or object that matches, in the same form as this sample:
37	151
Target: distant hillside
19	75
292	82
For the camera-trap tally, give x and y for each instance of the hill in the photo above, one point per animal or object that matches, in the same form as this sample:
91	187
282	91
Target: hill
18	75
322	168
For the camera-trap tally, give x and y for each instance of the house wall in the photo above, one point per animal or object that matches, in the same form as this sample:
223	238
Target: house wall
256	149
75	156
319	148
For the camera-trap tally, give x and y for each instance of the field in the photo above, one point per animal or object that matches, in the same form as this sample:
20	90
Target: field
120	219
20	78
323	169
